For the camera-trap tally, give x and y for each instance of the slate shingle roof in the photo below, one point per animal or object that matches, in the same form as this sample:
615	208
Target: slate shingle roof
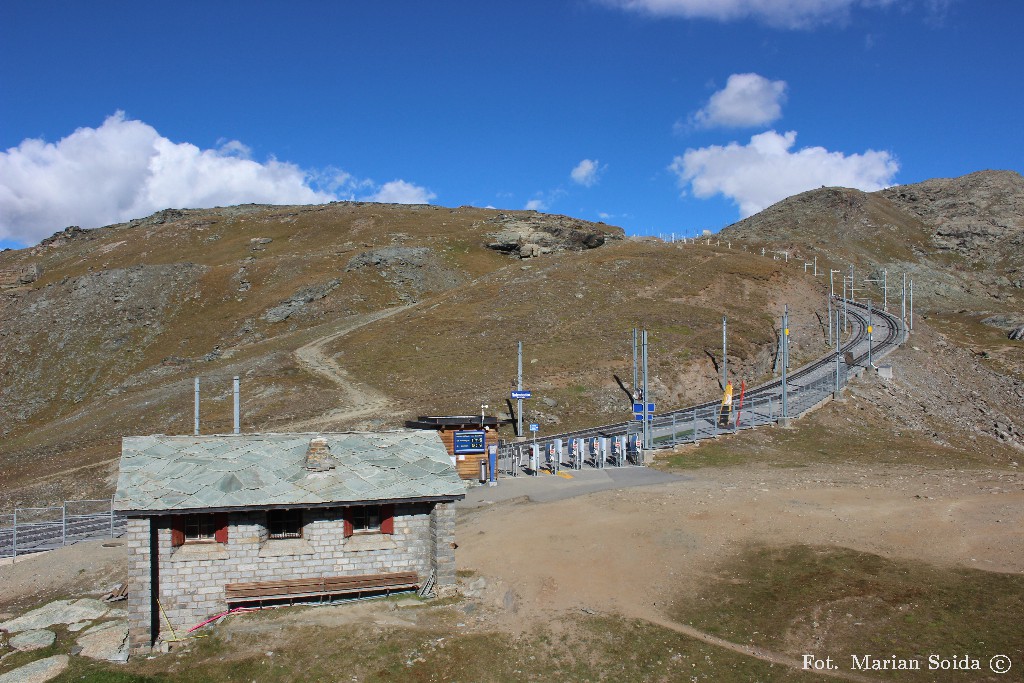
163	473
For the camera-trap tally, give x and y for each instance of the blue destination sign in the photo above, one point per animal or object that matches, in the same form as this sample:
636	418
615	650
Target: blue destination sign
534	427
522	394
639	407
470	441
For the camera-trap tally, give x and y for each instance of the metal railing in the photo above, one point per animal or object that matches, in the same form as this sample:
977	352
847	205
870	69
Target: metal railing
33	530
806	389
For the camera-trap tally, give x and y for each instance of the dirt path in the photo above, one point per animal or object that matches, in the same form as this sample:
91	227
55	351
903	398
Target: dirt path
748	650
360	401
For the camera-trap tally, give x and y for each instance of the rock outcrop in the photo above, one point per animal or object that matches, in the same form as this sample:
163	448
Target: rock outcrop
528	235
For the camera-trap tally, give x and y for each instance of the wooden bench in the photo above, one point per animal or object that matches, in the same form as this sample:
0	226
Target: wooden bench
285	589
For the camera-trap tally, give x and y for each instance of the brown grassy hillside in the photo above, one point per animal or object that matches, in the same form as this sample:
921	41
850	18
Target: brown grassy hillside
354	315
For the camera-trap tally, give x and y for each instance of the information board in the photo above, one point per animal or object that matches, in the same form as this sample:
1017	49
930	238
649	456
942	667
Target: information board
470	441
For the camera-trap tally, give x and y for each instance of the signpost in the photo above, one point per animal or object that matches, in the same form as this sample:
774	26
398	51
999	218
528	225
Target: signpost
638	411
534	455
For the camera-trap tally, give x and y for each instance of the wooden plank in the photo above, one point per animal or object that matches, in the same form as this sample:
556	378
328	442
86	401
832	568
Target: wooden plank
319	586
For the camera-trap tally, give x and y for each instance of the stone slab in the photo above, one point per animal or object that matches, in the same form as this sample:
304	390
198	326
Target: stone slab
33	640
39	671
57	612
107	641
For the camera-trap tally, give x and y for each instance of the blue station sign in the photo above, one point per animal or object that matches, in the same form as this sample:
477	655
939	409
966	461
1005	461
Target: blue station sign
522	394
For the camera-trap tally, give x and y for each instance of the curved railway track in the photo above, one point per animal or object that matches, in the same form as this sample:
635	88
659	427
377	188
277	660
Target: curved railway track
858	315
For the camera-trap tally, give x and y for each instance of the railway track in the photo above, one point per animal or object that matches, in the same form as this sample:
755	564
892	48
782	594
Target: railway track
796	380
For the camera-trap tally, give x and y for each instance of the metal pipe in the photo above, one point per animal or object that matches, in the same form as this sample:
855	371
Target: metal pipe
196	430
519	402
869	334
785	354
838	343
725	357
646	400
238	427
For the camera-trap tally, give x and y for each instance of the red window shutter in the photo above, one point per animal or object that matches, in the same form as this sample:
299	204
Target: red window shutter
220	523
177	530
347	516
387	519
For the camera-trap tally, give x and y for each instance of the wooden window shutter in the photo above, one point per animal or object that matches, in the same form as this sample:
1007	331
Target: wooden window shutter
177	530
387	519
220	523
346	514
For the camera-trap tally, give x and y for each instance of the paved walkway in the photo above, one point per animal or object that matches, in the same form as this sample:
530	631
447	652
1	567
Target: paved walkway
545	487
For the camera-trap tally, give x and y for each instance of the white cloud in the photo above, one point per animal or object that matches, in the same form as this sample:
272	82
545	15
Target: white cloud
536	205
401	192
766	170
746	100
779	13
586	172
125	169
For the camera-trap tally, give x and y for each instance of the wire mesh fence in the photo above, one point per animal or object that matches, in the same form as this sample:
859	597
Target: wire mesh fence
32	530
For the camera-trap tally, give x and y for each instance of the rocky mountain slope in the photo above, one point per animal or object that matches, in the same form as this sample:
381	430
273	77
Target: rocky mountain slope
960	239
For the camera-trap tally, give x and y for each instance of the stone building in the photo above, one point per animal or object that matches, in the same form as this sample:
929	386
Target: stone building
215	522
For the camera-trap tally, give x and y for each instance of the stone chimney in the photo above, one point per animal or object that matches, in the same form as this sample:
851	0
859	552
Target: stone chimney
318	456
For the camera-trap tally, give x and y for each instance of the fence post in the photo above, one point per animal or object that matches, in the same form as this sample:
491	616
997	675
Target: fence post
695	425
64	524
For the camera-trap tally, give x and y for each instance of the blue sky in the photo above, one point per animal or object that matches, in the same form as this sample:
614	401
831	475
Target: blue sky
656	115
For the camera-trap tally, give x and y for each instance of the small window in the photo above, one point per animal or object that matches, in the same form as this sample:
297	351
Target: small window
284	523
199	528
366	518
369	519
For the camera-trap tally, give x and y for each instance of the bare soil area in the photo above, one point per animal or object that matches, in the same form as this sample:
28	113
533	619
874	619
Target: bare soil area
634	551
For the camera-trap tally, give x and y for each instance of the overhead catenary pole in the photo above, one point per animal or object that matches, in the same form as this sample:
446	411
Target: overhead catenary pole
636	371
869	333
519	402
844	303
725	356
196	428
885	290
903	298
830	322
238	426
838	389
646	399
785	353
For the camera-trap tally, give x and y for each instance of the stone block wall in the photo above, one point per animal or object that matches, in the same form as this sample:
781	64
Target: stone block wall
442	541
192	576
